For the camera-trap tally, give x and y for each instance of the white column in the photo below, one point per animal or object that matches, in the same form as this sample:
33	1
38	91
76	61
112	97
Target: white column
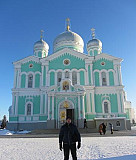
120	76
116	75
83	107
100	78
86	75
123	106
41	104
88	102
91	70
119	104
46	104
53	107
78	78
107	77
19	77
15	77
79	113
42	75
16	106
47	77
55	78
63	75
93	103
33	81
48	107
13	105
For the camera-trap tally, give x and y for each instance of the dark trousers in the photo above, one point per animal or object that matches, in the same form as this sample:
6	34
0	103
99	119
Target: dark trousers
67	149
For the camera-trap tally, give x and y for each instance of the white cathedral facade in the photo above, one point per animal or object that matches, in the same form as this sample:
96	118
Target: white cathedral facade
68	82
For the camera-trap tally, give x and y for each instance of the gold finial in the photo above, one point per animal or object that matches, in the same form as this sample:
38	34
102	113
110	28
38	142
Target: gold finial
93	33
42	31
68	24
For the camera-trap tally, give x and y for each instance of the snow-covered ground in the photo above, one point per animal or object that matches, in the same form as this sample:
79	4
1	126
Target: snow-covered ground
7	132
108	148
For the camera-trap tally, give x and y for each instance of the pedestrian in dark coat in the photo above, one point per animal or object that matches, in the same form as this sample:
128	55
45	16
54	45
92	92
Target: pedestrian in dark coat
111	127
104	128
69	135
85	123
100	129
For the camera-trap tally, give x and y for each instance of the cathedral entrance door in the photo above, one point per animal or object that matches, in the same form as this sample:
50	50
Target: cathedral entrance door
70	113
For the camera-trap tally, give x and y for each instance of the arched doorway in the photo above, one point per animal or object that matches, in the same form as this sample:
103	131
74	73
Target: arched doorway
66	109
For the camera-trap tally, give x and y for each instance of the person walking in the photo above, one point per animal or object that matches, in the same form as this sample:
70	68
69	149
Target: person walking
100	129
111	127
85	123
103	128
69	135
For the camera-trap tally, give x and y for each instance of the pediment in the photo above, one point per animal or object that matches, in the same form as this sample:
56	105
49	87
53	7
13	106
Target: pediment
27	59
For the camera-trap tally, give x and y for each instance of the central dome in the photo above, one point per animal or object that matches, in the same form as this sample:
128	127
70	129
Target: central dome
68	39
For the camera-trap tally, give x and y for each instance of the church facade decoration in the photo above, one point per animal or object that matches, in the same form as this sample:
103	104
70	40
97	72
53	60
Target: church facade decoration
49	88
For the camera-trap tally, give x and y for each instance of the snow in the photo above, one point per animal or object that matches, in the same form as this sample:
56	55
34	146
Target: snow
107	148
7	132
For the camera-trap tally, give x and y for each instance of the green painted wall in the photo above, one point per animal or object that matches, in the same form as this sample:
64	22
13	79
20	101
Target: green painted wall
82	78
98	103
21	104
23	79
52	78
36	67
89	75
42	118
108	64
99	98
96	75
37	81
44	74
111	78
95	52
75	62
40	54
13	119
114	103
91	53
36	105
90	116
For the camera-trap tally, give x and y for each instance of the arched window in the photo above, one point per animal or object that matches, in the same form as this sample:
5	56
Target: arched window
28	110
66	85
104	82
30	81
66	74
106	107
59	77
74	77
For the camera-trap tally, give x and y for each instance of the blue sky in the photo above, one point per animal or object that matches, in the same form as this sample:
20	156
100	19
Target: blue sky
21	22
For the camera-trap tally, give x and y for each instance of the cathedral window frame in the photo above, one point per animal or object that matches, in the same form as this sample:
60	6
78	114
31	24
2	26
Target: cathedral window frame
32	81
104	78
109	107
73	79
59	79
26	108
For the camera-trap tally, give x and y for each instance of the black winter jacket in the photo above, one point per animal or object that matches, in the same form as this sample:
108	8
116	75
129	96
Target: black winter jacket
69	134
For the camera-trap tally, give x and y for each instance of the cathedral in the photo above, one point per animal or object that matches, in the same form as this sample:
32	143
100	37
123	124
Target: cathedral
67	83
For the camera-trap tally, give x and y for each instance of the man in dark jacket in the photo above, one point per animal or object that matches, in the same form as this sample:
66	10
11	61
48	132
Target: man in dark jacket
69	135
